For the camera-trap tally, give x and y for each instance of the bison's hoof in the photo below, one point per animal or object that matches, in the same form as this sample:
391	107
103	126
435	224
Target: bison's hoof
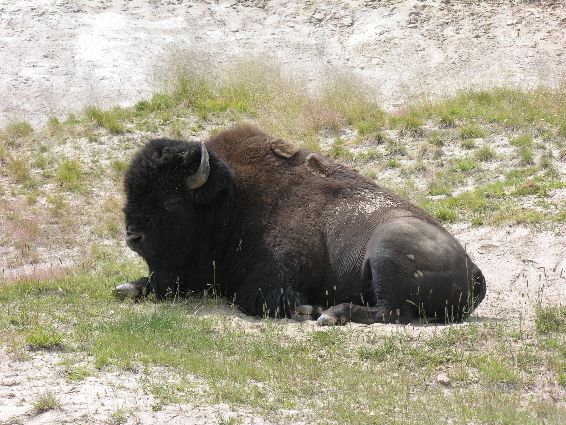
327	320
126	290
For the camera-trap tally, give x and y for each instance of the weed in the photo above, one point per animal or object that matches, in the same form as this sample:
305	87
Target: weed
436	138
395	148
439	186
118	167
485	153
380	353
118	417
465	164
545	160
495	371
409	122
349	100
43	338
526	155
471	131
15	132
522	141
550	319
69	175
19	170
393	163
369	155
339	150
112	119
45	402
78	373
467	144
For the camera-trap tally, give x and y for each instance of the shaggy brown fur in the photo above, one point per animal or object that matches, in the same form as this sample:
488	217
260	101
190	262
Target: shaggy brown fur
279	227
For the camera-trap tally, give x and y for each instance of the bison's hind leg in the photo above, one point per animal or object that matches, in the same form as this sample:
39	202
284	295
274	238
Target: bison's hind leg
421	270
343	313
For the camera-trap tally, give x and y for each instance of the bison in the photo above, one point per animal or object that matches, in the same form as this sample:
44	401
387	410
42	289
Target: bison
285	232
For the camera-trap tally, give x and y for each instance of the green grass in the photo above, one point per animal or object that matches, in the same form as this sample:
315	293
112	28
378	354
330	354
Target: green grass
264	367
339	375
471	131
45	402
43	338
70	175
509	108
338	149
409	122
112	119
485	153
16	133
550	319
19	170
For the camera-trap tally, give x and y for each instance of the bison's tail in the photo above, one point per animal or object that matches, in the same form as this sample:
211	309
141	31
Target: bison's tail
479	286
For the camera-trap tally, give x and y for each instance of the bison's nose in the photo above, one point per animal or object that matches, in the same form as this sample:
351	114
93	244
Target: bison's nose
134	240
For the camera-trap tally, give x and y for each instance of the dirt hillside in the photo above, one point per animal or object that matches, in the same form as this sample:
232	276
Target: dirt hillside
59	56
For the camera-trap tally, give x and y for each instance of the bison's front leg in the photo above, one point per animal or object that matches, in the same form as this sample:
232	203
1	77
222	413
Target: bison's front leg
136	289
275	297
306	312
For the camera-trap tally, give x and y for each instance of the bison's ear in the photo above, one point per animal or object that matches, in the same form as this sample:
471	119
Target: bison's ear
220	182
282	148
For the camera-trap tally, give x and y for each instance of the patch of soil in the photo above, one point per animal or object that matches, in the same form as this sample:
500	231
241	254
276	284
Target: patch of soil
59	56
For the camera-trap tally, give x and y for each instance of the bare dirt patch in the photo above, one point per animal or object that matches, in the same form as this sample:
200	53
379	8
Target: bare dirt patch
60	56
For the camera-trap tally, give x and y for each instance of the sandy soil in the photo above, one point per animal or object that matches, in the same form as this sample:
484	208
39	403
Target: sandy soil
57	56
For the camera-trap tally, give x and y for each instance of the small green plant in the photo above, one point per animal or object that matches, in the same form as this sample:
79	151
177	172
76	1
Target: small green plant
45	402
467	144
395	148
70	175
77	373
410	122
393	163
369	155
16	131
338	149
545	161
19	170
53	126
43	338
471	131
465	164
118	417
485	153
57	203
550	319
380	353
436	138
495	371
526	155
112	119
439	186
118	167
522	141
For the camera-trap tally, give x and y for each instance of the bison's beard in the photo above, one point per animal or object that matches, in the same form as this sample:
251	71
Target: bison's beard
171	280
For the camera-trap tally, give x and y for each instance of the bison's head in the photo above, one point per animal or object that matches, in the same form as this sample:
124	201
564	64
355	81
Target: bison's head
173	191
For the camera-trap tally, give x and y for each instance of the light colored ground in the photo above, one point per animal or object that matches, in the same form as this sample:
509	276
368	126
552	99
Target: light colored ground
57	56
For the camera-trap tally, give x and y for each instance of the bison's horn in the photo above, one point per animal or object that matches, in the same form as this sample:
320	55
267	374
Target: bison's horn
196	180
